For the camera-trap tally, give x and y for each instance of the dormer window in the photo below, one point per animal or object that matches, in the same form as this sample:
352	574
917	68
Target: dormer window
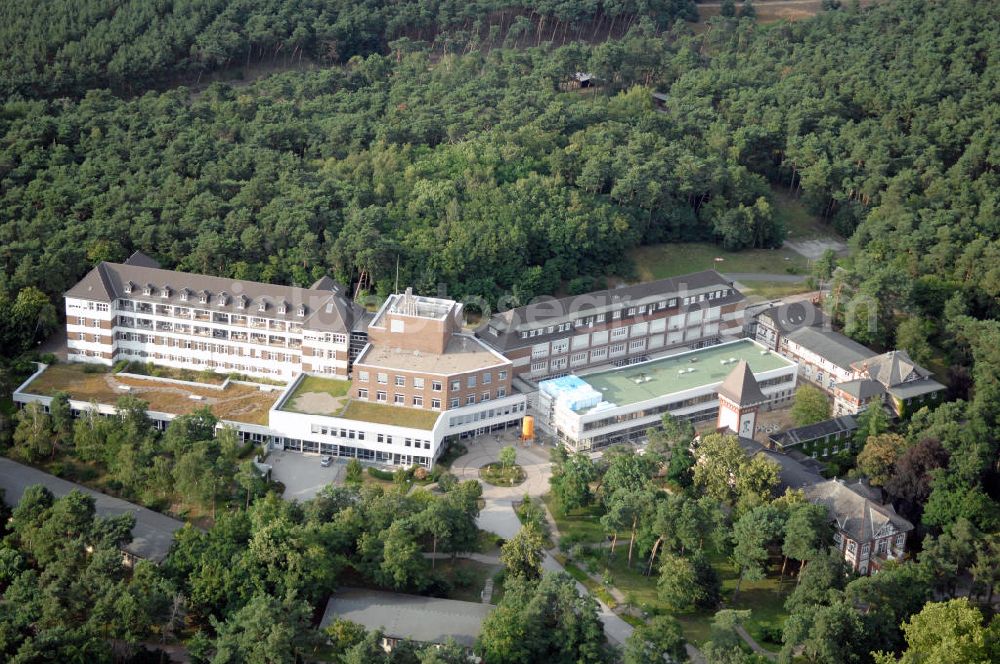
302	310
262	306
129	286
241	302
222	299
282	307
184	295
165	293
203	296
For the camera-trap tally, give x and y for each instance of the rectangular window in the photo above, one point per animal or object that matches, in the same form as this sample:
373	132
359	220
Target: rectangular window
598	354
487	378
436	403
399	399
381	437
363	376
436	385
617	349
637	344
485	396
560	346
454	402
456	385
578	359
418	383
471	381
619	333
470	399
380	396
501	392
362	393
383	378
502	375
418	401
400	381
539	366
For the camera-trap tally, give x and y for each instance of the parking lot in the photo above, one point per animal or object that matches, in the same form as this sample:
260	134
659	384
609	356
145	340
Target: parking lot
302	474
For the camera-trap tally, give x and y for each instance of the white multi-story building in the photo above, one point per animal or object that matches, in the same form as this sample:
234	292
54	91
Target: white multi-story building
137	311
592	411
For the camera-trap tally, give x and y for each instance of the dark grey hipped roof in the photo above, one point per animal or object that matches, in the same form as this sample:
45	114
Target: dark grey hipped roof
422	619
741	387
892	368
142	260
856	514
800	435
327	308
549	311
862	389
152	535
790	316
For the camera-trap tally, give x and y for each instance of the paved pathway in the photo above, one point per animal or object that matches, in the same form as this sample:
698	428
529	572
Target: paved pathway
753	644
497	516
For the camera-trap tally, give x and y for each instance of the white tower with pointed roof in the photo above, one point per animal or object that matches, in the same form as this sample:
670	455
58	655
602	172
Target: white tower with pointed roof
739	399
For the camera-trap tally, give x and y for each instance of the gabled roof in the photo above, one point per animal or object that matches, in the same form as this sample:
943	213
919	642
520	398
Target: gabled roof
892	368
857	515
325	310
741	387
832	346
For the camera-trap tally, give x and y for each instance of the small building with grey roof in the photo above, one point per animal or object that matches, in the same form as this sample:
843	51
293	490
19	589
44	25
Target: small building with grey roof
400	617
868	532
820	439
152	535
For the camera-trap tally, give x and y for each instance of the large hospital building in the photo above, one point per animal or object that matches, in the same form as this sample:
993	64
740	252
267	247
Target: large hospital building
308	369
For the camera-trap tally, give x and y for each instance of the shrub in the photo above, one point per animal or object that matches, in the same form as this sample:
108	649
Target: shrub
379	474
92	368
420	473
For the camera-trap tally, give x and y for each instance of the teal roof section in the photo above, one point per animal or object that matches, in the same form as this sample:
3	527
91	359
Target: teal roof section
685	371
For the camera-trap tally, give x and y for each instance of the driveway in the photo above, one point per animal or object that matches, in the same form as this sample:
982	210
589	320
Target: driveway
302	475
497	515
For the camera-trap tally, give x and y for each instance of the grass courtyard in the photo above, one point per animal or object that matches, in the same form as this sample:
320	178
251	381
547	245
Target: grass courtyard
765	599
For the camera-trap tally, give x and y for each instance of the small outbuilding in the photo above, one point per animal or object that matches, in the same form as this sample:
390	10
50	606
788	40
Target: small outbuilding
427	620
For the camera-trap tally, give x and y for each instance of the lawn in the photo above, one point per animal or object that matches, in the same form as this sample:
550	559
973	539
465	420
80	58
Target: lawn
583	526
335	388
659	261
497	475
763	598
799	223
772	290
393	415
467	577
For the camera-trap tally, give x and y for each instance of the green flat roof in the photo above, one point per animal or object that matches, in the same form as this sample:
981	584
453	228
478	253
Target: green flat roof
656	378
316	395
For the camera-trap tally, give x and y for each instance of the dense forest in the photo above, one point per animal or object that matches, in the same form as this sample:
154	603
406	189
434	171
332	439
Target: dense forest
449	139
67	48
